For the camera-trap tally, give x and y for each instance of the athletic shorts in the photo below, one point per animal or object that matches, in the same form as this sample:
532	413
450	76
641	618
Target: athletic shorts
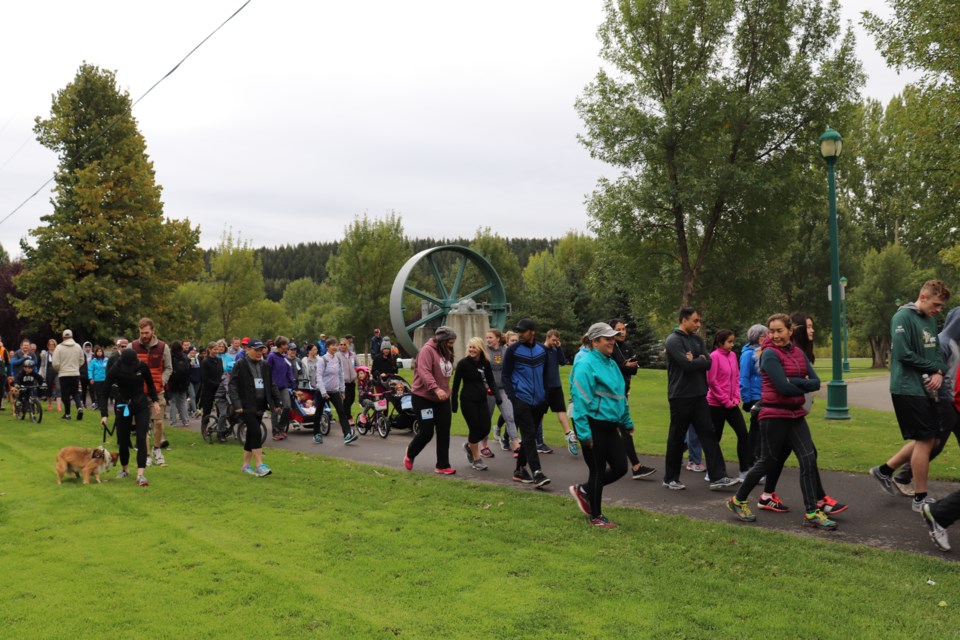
917	417
555	400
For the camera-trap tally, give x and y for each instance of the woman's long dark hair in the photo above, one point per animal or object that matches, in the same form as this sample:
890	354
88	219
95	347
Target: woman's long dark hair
800	338
720	337
446	351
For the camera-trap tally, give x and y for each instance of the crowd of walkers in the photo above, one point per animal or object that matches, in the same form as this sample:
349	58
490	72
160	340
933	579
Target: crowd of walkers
764	395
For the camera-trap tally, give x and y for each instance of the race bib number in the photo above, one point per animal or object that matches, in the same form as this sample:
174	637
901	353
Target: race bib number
426	414
258	383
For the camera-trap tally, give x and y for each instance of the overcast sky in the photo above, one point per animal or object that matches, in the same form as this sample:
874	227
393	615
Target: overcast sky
297	116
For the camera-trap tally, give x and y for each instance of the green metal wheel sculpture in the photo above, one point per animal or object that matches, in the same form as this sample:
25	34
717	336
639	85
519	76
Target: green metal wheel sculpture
435	279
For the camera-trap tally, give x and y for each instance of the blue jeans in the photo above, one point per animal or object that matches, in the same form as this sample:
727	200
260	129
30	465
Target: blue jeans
694	452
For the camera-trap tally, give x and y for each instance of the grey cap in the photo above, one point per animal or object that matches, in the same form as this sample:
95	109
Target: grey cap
601	330
444	333
386	344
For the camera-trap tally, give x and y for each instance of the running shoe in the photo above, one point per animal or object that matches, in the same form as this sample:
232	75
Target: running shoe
278	436
479	465
542	448
642	472
158	457
697	467
819	520
905	488
263	471
350	437
740	509
248	469
407	462
540	479
886	482
917	505
123	474
601	522
773	503
830	506
466	449
674	485
318	438
79	414
520	475
580	495
142	481
722	483
445	471
486	453
505	443
937	533
572	445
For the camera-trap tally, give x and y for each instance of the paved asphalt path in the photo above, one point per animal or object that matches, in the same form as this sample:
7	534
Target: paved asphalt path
869	393
874	519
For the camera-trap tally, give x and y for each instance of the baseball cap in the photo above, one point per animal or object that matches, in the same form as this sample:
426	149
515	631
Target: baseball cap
525	324
601	330
67	333
254	344
245	341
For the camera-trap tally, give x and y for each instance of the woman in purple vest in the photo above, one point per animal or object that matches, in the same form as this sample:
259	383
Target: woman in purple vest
786	375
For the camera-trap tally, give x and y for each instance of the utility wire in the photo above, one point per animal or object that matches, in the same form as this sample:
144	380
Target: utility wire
119	116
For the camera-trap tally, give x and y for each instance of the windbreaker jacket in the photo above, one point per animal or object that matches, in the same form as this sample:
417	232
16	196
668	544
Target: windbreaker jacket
598	391
750	373
723	379
329	375
524	371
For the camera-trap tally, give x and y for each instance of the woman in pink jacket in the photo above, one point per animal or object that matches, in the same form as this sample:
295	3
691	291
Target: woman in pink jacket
723	396
431	399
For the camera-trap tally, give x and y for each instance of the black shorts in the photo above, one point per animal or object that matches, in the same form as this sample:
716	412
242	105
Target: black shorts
917	417
555	400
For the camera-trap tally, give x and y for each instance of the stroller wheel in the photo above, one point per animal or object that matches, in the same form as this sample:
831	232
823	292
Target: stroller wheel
318	438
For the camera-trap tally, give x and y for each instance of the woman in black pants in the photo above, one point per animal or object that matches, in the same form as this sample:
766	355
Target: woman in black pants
476	375
599	413
127	380
431	399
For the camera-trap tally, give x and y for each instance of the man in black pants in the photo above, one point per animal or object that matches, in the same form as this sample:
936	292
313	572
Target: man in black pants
687	366
523	381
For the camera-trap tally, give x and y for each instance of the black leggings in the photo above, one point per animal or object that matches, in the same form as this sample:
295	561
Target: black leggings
606	460
734	417
349	396
527	418
70	390
783	434
124	426
433	416
626	435
337	401
477	415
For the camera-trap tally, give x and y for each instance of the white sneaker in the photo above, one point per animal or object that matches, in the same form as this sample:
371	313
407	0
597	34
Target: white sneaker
937	533
149	461
158	457
917	505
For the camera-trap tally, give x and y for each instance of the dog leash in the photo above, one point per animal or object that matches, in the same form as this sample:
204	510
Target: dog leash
107	431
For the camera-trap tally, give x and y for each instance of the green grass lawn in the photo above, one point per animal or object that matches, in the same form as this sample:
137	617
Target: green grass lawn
327	548
859	368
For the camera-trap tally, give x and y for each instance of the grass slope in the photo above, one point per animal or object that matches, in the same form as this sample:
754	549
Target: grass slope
327	548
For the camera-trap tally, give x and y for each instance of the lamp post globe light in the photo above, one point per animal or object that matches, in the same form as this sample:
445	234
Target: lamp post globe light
843	319
831	145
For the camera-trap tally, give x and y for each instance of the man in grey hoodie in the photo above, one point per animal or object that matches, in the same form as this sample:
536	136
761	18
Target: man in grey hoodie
68	358
949	338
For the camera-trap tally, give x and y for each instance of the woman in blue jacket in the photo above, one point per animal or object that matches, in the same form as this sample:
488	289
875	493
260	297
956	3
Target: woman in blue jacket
750	381
97	372
600	411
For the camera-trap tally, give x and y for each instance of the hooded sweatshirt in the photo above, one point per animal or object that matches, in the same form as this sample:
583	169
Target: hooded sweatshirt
950	348
686	378
68	358
750	373
723	379
915	351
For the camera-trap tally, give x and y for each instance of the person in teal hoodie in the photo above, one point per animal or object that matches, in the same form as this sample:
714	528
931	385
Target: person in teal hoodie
600	411
97	371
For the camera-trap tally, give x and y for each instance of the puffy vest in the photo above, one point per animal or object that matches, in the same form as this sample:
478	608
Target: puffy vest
773	403
153	358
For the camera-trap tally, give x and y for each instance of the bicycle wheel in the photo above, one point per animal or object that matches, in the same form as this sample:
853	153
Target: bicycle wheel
205	432
20	410
37	411
242	433
383	427
362	427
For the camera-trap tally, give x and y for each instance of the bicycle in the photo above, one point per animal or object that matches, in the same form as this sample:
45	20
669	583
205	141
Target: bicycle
33	407
374	418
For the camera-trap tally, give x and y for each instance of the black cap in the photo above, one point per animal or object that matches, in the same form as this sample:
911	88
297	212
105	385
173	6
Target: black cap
525	324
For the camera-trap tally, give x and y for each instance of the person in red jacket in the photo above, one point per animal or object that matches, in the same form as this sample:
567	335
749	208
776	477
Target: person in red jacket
156	355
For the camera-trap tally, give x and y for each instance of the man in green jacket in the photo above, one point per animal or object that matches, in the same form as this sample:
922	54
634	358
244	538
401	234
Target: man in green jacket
916	374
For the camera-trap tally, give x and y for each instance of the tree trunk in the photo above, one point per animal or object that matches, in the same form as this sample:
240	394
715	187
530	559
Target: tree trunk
880	348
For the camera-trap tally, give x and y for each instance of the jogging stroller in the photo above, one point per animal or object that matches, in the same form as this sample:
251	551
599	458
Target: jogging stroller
399	394
306	414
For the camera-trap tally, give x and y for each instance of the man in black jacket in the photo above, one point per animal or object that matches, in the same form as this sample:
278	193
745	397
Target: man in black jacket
251	393
687	366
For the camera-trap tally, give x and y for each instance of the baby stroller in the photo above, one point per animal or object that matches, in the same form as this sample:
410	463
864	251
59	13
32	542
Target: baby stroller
401	415
305	414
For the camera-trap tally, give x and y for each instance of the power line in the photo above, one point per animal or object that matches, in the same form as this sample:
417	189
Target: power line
118	117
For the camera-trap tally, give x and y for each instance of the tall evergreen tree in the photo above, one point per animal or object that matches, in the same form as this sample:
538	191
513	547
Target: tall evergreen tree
105	255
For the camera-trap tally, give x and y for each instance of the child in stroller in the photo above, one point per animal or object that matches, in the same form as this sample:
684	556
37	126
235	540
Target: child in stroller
399	394
304	413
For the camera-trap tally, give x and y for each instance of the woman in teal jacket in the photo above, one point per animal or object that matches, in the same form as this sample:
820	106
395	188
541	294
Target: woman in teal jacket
97	372
600	411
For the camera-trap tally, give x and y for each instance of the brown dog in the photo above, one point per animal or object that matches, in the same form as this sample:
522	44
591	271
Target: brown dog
12	392
79	460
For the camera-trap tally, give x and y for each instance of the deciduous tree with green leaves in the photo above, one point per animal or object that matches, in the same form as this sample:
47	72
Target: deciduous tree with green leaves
705	105
105	255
